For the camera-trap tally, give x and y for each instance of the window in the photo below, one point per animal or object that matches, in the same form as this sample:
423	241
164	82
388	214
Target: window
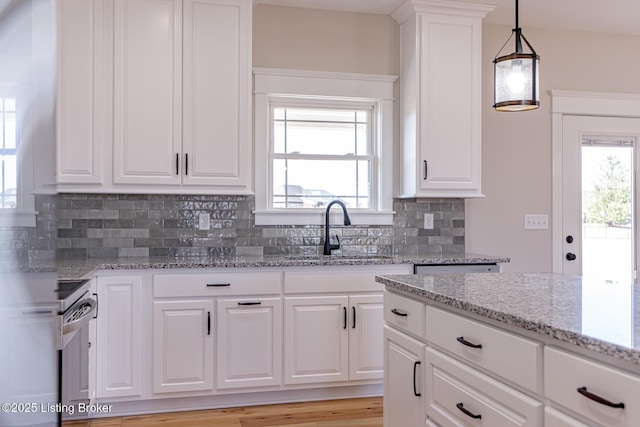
320	154
321	137
8	153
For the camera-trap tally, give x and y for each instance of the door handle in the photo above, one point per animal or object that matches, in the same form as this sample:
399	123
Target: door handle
415	389
571	257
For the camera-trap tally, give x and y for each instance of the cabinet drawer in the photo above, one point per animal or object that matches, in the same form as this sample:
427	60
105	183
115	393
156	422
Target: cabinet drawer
336	279
554	418
514	358
565	373
458	395
404	313
216	283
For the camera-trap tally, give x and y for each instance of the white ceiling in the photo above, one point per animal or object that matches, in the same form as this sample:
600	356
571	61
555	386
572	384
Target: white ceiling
608	16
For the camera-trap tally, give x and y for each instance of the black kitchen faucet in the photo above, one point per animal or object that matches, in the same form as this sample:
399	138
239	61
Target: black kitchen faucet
328	247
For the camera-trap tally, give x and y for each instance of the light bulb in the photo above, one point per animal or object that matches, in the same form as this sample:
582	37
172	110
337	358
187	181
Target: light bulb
516	80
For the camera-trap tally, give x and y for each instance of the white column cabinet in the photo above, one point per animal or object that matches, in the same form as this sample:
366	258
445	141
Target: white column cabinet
249	342
441	95
182	346
119	337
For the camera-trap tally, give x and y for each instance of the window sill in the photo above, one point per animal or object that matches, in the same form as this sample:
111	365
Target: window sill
14	218
316	217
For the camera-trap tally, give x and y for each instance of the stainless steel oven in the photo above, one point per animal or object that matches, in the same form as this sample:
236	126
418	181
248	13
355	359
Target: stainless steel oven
77	307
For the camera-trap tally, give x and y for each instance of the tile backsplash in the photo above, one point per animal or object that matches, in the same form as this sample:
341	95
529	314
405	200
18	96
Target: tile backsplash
123	225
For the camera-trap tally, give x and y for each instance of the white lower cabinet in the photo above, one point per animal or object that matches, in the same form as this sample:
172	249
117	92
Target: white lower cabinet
182	346
599	393
119	337
249	342
316	339
333	338
458	395
403	380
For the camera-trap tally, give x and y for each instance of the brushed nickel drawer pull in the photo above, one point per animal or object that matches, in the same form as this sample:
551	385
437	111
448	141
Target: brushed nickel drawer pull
583	391
461	340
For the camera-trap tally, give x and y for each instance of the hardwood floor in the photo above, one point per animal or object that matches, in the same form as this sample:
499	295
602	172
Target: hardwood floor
366	412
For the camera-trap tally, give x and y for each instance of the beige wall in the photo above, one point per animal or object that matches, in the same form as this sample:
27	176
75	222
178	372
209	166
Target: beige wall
516	146
321	40
516	165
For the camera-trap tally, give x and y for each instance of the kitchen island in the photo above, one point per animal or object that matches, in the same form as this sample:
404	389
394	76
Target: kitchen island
511	349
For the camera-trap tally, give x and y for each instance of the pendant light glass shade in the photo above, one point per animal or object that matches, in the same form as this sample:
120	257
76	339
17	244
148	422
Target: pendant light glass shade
516	77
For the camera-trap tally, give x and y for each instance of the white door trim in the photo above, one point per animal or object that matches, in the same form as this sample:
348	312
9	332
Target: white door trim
577	103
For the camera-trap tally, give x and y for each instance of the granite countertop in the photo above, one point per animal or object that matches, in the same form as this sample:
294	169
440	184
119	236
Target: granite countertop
594	314
77	269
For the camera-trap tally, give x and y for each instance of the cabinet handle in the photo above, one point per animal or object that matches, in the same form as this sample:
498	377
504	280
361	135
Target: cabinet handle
461	340
583	391
353	311
426	169
177	164
345	318
186	164
250	303
415	369
208	323
95	316
398	312
36	312
218	285
466	412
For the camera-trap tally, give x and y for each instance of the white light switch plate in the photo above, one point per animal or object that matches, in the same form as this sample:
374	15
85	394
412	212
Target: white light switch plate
428	221
204	221
536	222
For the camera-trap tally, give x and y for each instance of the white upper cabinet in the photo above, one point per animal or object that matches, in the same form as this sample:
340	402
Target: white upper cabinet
440	98
216	128
156	93
147	91
82	95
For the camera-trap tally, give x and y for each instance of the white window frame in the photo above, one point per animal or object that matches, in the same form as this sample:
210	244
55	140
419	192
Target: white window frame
305	88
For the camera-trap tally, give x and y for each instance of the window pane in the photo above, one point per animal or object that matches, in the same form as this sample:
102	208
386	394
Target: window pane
320	131
8	181
9	127
362	142
321	115
321	138
313	183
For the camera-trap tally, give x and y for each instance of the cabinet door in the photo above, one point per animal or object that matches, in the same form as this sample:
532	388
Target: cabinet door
316	339
82	96
449	114
182	346
75	367
119	337
147	91
217	85
366	337
249	342
403	385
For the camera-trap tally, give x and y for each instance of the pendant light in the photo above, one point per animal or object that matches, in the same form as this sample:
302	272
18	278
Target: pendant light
516	76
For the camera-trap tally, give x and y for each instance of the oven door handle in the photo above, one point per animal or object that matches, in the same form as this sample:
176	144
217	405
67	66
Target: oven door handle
79	322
